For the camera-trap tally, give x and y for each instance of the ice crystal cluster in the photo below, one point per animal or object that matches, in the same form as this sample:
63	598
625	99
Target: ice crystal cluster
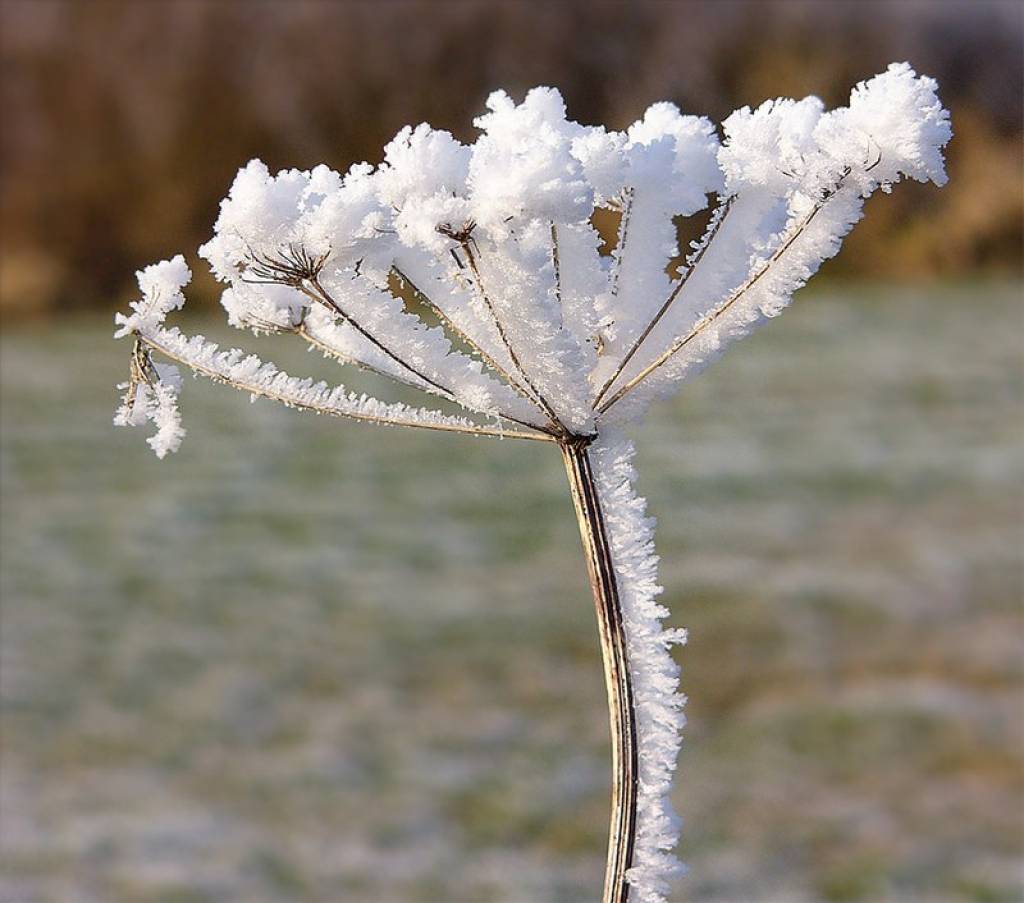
475	273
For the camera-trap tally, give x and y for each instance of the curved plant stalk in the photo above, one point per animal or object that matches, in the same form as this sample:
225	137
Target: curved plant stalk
618	678
341	357
709	318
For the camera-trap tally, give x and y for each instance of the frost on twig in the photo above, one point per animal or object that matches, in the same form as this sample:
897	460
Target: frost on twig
473	274
151	394
659	705
153	388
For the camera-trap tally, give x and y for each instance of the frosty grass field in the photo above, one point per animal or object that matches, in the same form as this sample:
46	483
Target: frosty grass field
331	665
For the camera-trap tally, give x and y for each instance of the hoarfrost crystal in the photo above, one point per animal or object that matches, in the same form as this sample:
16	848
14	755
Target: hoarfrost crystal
531	330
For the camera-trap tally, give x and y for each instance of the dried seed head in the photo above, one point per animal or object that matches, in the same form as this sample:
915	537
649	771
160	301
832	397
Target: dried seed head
292	265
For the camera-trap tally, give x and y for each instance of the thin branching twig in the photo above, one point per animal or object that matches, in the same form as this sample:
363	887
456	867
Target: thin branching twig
538	397
710	318
716	223
473	345
261	391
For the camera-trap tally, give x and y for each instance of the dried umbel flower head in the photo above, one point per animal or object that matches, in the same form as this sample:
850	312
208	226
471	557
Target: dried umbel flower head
553	342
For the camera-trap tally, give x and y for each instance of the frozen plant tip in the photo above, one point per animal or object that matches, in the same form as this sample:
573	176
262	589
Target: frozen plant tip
535	334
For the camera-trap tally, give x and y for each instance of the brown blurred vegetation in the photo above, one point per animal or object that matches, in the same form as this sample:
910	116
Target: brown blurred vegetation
123	123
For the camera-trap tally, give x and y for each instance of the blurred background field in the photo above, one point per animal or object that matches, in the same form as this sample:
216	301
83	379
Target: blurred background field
312	661
124	122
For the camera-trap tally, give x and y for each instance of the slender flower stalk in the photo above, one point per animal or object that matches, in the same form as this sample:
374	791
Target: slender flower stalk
708	319
315	291
559	344
502	372
716	224
452	328
534	394
615	654
317	398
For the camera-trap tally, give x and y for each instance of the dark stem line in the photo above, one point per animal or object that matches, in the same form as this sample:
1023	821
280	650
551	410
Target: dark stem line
449	324
324	297
621	238
714	315
556	263
342	358
540	399
618	680
289	401
676	289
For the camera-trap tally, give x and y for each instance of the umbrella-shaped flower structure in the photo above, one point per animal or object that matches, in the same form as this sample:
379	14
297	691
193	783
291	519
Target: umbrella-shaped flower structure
526	326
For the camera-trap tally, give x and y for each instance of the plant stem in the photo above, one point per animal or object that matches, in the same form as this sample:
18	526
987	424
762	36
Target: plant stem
321	295
618	681
324	347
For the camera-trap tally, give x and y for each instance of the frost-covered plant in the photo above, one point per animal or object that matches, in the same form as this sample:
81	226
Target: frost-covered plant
524	324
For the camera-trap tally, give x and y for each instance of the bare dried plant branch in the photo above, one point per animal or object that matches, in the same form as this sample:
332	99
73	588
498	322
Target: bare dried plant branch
319	294
290	265
140	372
298	269
343	358
295	267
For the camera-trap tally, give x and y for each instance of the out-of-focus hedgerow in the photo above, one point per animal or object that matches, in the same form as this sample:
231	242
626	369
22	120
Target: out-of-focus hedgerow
123	123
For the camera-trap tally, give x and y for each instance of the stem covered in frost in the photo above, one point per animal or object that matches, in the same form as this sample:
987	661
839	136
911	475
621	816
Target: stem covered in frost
618	679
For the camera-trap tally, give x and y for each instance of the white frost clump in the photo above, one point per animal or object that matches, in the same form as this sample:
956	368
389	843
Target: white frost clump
155	402
655	675
161	285
474	273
